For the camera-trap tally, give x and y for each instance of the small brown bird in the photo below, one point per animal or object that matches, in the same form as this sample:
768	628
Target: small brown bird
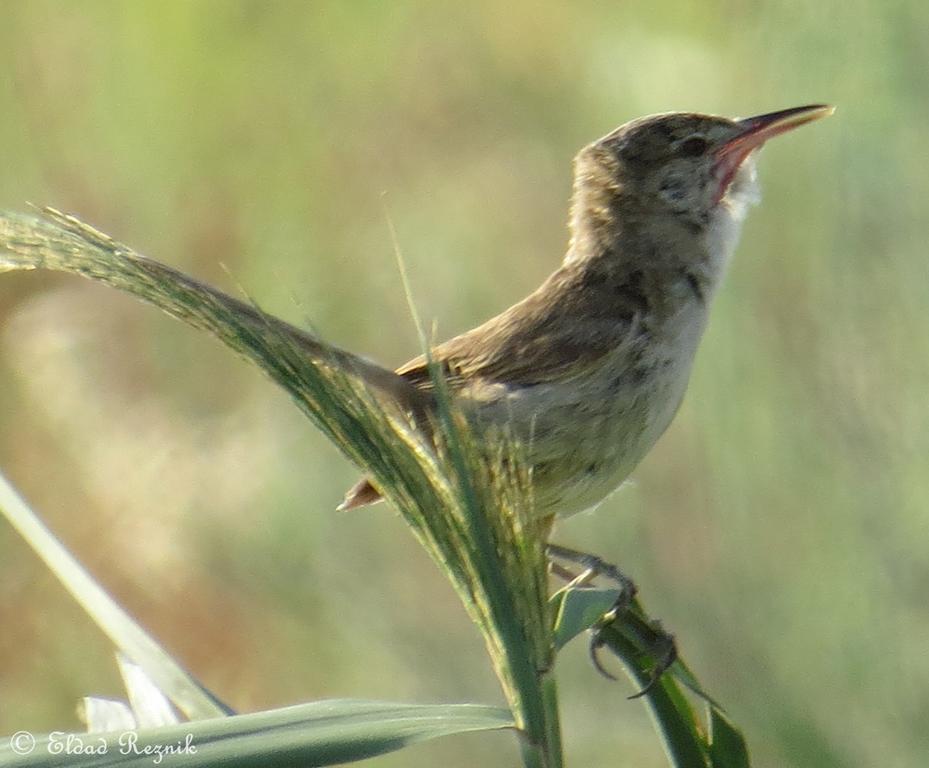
588	371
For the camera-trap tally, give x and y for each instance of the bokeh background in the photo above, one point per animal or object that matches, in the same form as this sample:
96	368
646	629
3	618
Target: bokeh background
780	528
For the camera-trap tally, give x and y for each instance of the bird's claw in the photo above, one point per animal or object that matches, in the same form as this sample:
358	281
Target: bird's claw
593	650
657	642
662	648
665	654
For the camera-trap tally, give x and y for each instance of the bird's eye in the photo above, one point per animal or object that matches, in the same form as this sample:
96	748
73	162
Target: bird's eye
693	147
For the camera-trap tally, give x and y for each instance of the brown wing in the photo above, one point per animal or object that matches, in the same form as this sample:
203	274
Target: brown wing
556	333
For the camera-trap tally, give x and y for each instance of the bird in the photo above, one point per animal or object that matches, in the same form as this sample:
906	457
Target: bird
588	371
585	373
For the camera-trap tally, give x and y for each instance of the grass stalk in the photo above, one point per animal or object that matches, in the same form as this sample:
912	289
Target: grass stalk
465	500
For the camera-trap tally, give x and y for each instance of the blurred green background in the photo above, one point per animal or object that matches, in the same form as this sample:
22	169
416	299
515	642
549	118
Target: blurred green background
780	528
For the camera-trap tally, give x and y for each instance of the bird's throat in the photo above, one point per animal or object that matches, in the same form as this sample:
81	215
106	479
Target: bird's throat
726	219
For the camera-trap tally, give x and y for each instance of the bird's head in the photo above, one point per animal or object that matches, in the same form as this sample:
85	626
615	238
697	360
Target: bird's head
680	166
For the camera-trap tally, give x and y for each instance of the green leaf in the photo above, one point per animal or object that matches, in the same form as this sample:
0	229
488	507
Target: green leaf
185	692
727	748
674	718
317	734
577	610
465	499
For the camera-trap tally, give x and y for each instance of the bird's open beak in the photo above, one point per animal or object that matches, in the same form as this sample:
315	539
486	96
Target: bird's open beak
763	127
756	131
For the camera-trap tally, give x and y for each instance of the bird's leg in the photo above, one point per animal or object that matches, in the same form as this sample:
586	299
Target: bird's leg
651	636
565	574
592	566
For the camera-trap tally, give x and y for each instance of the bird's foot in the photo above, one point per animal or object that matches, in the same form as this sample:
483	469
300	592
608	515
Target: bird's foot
650	636
659	645
592	566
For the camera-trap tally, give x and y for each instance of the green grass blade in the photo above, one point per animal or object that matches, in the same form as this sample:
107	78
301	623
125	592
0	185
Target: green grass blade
630	636
465	500
727	744
687	742
318	734
577	610
504	581
183	690
674	719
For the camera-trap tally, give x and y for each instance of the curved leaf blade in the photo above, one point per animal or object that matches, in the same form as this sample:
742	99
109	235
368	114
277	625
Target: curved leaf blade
727	744
318	734
127	635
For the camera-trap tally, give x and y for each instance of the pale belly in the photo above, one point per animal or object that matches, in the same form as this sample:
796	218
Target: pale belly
583	438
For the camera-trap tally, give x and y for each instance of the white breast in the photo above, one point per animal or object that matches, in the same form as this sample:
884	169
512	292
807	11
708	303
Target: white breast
726	220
